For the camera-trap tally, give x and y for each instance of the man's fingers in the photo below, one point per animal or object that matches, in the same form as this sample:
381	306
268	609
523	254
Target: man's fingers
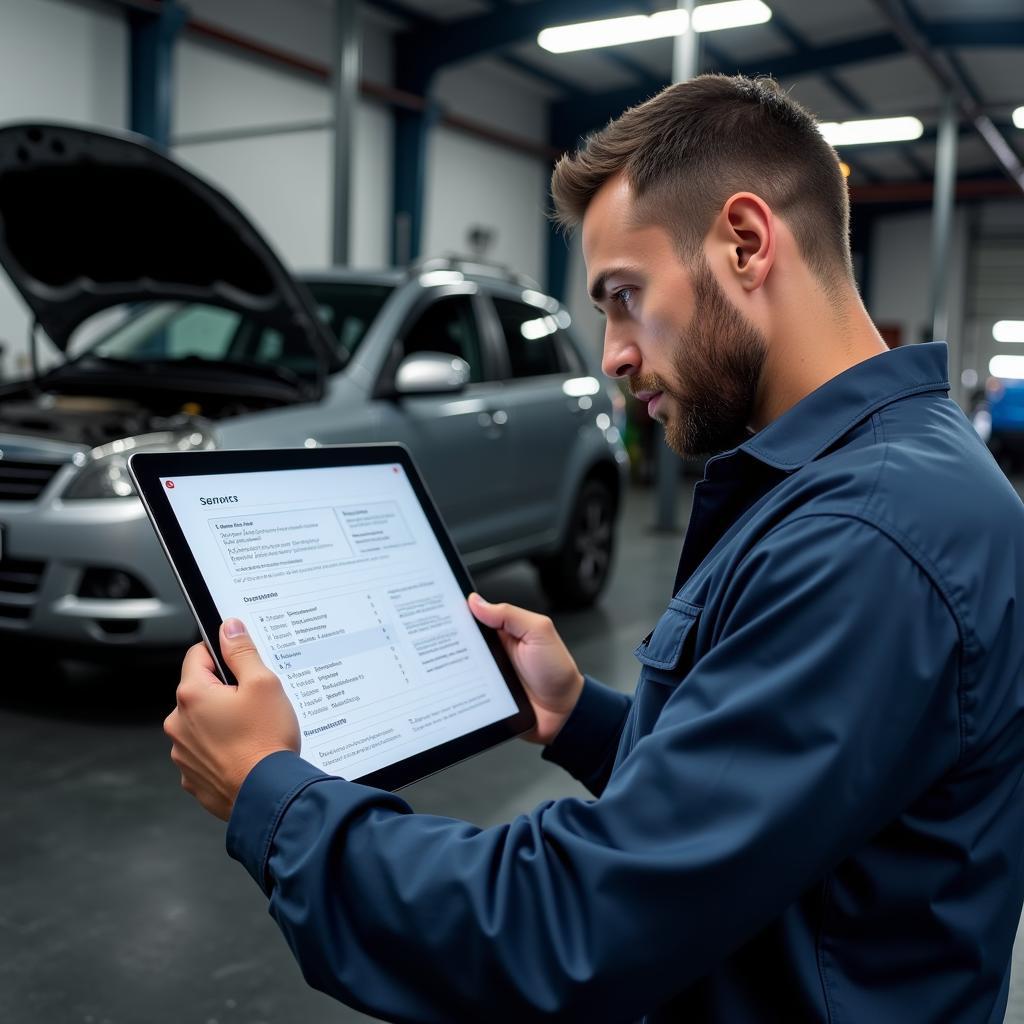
198	665
515	621
241	655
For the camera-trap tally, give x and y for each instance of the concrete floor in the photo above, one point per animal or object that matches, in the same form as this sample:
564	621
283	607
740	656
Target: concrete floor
117	902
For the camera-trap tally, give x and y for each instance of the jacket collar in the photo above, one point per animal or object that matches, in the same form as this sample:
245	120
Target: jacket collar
820	419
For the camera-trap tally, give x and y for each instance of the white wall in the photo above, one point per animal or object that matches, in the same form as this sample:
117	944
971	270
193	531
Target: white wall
282	179
900	280
996	280
495	95
69	61
58	61
473	183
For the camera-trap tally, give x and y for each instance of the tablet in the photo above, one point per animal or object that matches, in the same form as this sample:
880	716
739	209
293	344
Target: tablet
339	564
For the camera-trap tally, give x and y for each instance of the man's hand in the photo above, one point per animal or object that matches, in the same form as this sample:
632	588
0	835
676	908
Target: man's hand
220	732
541	660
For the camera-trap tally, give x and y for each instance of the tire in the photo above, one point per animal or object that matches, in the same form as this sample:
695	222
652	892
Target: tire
576	575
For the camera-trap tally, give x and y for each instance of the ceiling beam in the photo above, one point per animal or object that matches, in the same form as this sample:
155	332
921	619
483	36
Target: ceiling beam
952	82
639	71
921	191
418	23
421	53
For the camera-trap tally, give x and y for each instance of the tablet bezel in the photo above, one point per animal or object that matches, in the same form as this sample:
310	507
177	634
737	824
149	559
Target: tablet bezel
147	469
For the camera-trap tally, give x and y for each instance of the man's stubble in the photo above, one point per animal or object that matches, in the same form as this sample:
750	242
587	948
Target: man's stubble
718	360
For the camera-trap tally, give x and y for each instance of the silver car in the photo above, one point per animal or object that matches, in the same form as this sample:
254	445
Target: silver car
210	342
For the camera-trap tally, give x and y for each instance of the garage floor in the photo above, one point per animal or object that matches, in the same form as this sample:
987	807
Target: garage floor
117	902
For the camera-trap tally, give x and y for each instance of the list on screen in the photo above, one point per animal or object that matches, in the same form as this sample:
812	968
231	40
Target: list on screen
349	598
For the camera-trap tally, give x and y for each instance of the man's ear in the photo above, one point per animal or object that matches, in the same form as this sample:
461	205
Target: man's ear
745	231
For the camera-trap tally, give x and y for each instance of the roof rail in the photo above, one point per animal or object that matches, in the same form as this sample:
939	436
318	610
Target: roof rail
471	265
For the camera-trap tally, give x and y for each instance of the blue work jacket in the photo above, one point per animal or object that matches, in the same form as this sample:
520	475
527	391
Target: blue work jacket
811	810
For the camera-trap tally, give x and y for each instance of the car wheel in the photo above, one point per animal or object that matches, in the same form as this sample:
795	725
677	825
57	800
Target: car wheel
575	576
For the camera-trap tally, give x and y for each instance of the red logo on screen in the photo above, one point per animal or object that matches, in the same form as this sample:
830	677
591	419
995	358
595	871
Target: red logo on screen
170	485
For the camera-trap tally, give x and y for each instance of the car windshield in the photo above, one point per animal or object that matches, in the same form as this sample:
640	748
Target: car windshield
179	331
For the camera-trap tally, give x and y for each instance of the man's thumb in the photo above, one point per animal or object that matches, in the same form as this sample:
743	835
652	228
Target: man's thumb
240	652
514	621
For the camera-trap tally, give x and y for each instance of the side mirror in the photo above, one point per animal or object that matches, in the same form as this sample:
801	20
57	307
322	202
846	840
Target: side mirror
431	373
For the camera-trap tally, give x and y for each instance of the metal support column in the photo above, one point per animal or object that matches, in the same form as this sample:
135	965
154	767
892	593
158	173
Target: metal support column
151	69
686	47
346	98
685	64
412	132
942	218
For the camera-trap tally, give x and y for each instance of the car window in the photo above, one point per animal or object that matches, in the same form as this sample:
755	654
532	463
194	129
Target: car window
448	325
532	338
205	331
348	308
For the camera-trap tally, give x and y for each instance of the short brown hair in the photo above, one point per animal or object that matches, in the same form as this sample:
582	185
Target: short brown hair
686	150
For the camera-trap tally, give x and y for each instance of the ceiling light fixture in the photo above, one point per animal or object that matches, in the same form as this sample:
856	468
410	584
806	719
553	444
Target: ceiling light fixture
876	129
589	35
1018	117
1007	367
1008	331
730	14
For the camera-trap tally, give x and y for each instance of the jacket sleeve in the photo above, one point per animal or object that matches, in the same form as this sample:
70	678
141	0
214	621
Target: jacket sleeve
589	740
828	702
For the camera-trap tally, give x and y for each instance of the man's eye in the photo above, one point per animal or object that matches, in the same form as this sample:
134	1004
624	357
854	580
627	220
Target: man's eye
623	297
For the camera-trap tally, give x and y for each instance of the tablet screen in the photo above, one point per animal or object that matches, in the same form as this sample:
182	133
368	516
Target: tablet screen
350	599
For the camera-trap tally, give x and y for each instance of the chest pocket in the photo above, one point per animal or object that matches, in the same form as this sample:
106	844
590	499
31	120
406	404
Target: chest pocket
666	653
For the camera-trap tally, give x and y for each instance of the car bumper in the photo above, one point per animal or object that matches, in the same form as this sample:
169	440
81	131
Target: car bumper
47	549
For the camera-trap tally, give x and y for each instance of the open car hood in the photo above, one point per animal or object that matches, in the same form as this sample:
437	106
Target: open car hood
90	219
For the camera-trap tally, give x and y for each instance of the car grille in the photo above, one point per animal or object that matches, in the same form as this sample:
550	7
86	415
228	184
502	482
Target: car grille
22	578
25	481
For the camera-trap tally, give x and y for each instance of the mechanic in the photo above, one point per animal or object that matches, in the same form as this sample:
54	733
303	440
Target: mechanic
811	809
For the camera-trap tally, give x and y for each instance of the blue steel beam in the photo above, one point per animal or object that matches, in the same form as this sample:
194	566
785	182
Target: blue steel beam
423	53
151	39
418	22
642	73
976	33
411	139
412	134
917	40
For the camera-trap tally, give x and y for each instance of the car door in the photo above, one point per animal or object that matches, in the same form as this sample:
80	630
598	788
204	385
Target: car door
458	440
546	406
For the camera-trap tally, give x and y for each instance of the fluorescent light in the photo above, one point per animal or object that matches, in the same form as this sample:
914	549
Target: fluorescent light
433	278
731	14
576	387
1009	330
876	129
539	299
1007	367
532	330
1018	117
589	35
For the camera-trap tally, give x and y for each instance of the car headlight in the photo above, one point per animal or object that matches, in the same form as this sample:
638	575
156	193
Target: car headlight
104	470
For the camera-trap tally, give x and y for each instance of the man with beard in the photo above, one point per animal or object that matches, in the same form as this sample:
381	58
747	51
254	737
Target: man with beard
810	810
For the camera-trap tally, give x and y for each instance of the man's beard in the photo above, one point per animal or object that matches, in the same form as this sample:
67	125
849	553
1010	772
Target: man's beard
718	361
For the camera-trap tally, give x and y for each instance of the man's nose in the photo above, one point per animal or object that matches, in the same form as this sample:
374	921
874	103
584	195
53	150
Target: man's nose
621	357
